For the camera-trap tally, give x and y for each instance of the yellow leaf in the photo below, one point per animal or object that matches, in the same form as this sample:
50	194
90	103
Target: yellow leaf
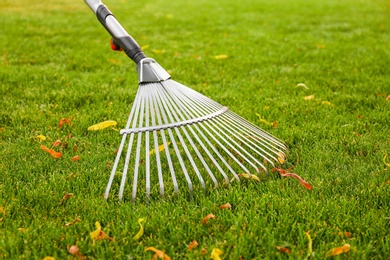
247	176
302	85
22	229
144	47
160	148
384	161
215	254
263	120
141	229
102	125
338	250
221	56
48	258
310	245
309	97
327	103
95	234
158	51
158	253
41	137
281	158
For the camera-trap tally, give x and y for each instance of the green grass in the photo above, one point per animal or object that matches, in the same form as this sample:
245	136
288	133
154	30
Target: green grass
55	63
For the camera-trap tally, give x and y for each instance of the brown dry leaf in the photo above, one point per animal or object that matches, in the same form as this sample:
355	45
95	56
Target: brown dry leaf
192	245
225	206
75	148
247	176
63	121
57	143
215	254
158	253
308	97
284	173
71	223
53	153
66	196
283	249
160	148
338	250
221	57
102	125
206	219
76	158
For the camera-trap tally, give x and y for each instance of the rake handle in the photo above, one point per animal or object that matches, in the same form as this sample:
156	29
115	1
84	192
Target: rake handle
118	33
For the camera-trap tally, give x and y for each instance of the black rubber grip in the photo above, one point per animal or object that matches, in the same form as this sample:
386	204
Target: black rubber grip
126	42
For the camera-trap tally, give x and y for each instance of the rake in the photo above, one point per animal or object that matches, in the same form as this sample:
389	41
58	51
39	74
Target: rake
176	136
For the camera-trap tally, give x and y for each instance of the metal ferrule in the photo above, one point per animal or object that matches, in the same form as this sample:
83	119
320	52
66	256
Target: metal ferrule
150	71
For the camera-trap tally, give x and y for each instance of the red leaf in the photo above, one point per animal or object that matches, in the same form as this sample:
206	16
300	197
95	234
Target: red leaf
284	173
76	158
192	245
63	121
283	249
53	153
206	219
66	196
225	206
57	143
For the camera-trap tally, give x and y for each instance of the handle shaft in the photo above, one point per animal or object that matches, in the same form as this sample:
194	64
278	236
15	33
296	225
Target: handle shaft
107	19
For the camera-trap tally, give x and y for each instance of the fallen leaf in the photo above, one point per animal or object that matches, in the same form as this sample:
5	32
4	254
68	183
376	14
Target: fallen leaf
158	253
247	176
158	51
206	219
98	234
284	173
141	229
160	148
347	234
338	250
273	124
71	223
2	210
144	47
321	46
388	97
23	229
74	250
53	153
102	125
283	249
76	158
302	85
308	97
66	196
57	143
192	245
221	57
75	147
327	103
281	157
204	251
310	245
63	121
384	161
215	254
48	258
225	206
40	137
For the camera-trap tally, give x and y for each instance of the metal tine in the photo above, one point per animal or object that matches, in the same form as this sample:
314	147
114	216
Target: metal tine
168	156
138	150
161	104
223	126
178	107
187	111
194	105
170	112
153	108
119	153
147	147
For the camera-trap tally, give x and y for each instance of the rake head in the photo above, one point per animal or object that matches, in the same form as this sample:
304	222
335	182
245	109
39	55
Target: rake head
177	137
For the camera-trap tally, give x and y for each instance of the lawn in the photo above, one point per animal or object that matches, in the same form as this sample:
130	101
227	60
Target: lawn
316	74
